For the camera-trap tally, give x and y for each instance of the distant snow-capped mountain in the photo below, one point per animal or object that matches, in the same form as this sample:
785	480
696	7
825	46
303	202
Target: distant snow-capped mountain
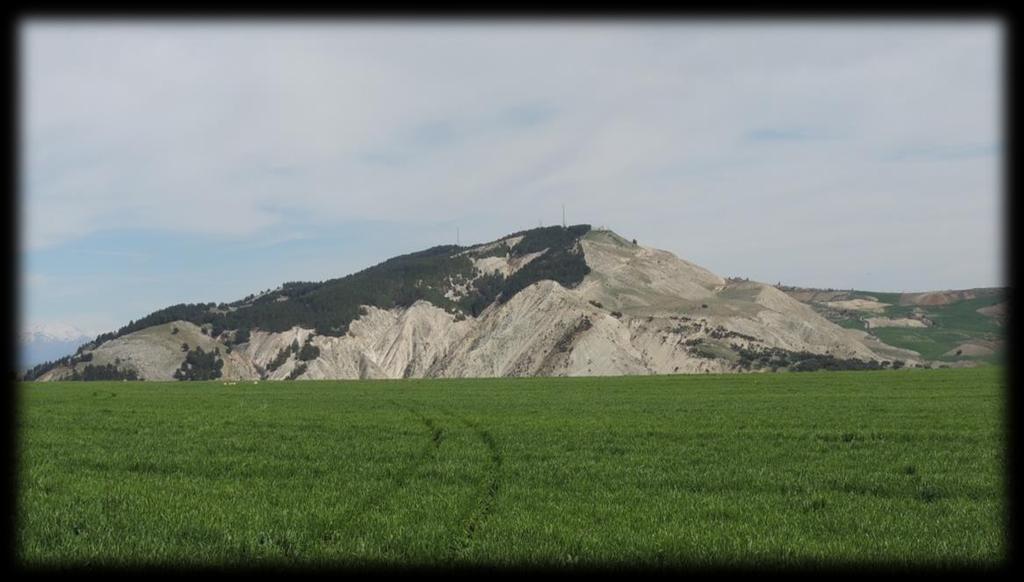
49	341
53	332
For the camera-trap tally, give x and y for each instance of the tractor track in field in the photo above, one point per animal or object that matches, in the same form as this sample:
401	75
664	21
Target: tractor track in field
436	438
437	435
492	486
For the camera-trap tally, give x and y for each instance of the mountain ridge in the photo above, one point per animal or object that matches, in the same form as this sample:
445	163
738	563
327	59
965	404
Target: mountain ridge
546	301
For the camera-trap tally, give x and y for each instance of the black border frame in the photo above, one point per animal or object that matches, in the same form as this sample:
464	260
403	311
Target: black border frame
641	11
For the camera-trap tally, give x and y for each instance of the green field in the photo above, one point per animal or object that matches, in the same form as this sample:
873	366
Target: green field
833	468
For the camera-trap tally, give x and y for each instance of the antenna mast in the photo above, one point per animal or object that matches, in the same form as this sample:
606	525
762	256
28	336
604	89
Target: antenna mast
563	216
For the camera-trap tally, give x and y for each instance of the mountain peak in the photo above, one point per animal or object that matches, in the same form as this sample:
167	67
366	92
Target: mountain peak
53	331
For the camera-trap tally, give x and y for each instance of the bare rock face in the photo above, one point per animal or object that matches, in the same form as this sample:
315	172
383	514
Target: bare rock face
638	311
518	338
631	278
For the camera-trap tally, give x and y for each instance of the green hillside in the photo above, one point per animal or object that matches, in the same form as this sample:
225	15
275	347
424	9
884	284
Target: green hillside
954	325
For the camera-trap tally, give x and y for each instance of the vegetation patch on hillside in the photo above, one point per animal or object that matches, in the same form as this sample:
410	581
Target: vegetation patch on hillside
103	372
200	365
776	359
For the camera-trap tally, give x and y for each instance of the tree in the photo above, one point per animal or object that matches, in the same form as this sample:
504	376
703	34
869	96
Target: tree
330	306
297	371
102	372
200	365
308	351
279	360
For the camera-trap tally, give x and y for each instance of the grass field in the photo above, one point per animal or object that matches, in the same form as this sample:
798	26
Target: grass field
901	467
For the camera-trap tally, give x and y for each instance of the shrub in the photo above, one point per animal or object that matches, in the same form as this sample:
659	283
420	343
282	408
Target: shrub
279	360
760	358
86	357
308	352
200	365
297	371
102	372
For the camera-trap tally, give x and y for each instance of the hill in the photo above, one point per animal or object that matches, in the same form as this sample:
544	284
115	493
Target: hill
547	301
947	326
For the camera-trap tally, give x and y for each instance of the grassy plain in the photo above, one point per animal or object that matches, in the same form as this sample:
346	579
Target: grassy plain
898	467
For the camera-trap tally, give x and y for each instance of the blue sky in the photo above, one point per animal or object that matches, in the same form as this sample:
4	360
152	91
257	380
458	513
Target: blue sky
181	161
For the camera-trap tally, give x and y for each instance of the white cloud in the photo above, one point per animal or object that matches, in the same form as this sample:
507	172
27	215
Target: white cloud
648	128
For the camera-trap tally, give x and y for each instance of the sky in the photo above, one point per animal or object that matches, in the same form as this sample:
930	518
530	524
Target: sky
185	161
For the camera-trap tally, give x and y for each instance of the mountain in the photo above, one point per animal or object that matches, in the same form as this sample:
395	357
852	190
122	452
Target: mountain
949	326
546	301
44	342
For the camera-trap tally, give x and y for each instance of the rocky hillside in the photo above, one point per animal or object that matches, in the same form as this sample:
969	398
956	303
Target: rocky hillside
547	301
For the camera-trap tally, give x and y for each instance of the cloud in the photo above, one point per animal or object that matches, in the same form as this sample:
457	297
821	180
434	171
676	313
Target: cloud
938	153
110	253
751	148
35	280
772	134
